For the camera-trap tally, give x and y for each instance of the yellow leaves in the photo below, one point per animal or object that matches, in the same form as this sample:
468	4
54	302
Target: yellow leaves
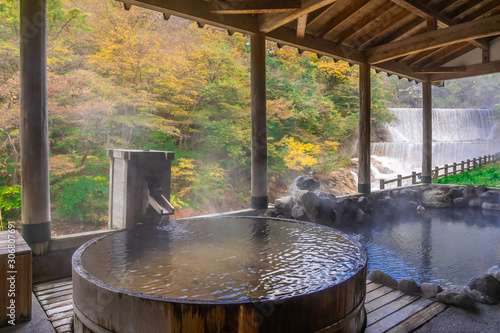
330	146
183	175
300	155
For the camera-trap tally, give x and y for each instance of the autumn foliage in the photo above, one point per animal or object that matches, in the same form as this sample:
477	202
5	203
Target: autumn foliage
129	79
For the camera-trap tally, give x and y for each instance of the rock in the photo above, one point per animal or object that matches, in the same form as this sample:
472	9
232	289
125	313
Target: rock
491	206
325	213
298	213
460	202
420	209
310	202
455	193
495	271
486	284
470	192
490	197
458	296
303	183
436	198
284	204
481	189
363	204
272	213
475	203
360	216
430	290
479	297
378	276
409	285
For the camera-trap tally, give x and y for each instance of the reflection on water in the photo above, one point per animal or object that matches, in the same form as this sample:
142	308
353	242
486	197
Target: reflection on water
443	246
224	259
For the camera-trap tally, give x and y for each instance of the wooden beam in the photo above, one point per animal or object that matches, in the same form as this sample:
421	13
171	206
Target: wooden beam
254	6
315	44
259	197
301	26
425	11
407	29
433	70
462	32
397	68
34	126
364	179
269	22
427	132
446	54
381	27
470	71
199	11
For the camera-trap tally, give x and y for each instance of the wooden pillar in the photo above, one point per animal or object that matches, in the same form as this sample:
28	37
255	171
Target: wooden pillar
427	133
364	178
259	128
34	126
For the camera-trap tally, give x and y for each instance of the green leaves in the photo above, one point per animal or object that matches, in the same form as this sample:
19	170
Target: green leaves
10	202
83	198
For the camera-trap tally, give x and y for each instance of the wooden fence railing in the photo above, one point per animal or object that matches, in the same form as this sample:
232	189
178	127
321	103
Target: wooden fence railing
449	169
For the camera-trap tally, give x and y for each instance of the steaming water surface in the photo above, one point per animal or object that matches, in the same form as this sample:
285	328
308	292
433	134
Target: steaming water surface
223	259
444	246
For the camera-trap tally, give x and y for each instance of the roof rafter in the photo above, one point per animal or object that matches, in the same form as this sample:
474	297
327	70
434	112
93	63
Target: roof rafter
269	22
424	11
472	70
485	27
288	36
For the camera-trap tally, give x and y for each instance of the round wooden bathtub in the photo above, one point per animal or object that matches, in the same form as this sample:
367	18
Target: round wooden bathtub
137	304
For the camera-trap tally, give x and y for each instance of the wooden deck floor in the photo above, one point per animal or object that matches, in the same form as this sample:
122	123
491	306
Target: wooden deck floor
389	310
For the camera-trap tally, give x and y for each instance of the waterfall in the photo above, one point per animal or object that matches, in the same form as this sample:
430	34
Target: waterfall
458	135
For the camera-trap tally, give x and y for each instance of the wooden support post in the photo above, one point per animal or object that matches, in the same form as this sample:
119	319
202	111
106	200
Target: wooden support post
446	170
462	166
400	180
382	184
34	126
259	129
427	132
468	164
436	173
474	163
454	168
413	177
364	129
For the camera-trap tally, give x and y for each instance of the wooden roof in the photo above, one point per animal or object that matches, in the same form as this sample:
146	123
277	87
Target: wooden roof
423	40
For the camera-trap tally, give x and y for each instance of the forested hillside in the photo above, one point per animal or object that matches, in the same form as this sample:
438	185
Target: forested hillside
130	79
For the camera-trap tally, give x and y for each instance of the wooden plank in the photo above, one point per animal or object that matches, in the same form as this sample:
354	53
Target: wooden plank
60	293
53	290
418	318
269	22
58	304
398	316
484	27
55	300
390	308
63	322
383	300
377	293
64	329
62	315
60	309
372	286
52	284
